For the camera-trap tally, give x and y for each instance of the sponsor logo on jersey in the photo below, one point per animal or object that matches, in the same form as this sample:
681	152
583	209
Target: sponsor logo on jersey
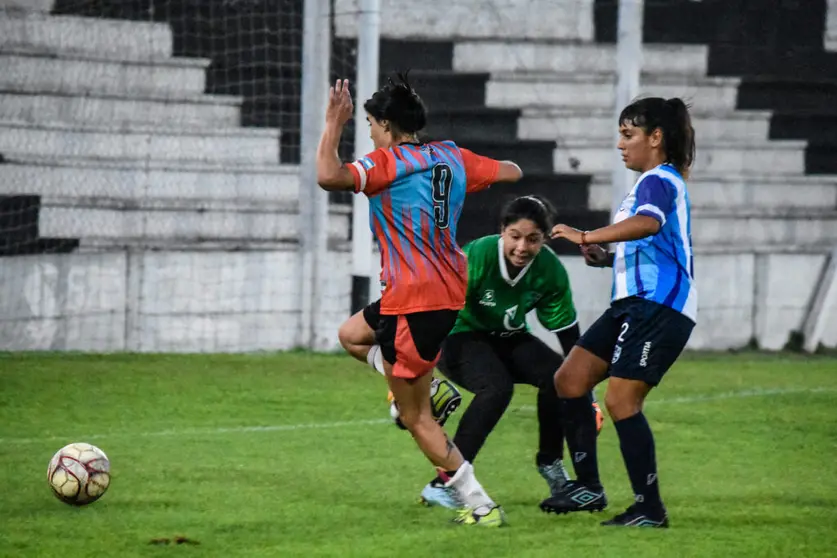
488	298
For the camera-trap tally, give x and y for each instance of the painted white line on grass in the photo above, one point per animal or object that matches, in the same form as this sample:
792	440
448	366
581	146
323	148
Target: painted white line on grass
767	392
743	394
202	431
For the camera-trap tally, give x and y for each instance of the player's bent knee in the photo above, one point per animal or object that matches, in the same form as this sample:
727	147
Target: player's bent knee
344	335
579	373
570	383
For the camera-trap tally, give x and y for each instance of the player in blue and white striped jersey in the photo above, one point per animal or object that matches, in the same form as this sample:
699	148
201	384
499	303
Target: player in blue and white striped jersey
659	268
653	311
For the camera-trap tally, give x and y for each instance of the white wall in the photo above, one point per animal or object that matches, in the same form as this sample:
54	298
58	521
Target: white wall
831	26
247	301
448	20
163	301
741	297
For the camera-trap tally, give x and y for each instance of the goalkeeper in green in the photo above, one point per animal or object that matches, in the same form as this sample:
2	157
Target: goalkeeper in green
490	348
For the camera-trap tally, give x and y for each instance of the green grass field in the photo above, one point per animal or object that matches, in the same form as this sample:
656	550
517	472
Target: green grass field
292	455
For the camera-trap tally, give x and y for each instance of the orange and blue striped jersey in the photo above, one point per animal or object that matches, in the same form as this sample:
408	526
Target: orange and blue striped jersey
416	193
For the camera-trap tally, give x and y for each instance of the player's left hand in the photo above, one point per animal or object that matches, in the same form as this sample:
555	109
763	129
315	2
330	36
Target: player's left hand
340	107
567	232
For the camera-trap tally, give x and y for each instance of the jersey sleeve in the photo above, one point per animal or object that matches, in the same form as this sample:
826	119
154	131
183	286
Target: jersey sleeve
475	254
480	171
374	172
655	198
556	311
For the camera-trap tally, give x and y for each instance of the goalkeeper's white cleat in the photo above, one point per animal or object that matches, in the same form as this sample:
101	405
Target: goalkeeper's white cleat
444	400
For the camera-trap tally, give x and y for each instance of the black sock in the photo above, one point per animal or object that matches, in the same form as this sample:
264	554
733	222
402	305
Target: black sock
580	430
550	427
637	443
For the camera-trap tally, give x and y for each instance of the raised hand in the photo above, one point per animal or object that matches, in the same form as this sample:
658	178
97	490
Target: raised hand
340	107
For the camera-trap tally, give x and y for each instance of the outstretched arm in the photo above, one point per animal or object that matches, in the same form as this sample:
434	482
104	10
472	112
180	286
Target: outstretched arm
632	228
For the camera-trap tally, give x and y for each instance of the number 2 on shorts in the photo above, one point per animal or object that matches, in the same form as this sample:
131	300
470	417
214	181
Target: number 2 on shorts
625	327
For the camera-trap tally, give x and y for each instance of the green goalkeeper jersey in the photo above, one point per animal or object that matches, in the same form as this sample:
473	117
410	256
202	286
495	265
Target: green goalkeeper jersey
498	304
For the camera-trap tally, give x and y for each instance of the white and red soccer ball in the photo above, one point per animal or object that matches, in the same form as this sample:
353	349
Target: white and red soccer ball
79	474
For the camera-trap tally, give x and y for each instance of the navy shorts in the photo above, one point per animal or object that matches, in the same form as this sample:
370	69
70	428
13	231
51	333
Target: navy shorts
641	339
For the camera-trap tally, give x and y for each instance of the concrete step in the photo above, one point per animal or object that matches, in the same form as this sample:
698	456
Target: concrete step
104	38
528	56
116	219
779	157
257	146
43	6
600	124
445	20
592	90
140	180
25	71
743	191
717	227
205	111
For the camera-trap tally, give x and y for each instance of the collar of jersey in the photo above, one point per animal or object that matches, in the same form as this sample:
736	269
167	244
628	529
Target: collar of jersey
504	271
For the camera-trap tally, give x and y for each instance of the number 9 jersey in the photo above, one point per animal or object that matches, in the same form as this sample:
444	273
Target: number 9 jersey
416	193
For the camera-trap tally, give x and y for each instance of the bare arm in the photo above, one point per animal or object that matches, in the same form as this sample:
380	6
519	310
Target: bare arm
632	228
331	173
509	172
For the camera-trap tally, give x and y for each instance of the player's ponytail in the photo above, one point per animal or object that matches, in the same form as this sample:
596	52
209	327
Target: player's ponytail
400	105
678	135
672	118
534	208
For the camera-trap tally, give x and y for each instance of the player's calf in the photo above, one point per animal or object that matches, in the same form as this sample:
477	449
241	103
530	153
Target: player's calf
444	400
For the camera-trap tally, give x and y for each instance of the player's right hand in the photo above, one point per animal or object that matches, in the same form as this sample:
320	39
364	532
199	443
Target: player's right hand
594	255
340	107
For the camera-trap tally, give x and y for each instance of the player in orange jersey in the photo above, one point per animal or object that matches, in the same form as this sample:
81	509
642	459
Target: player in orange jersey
416	193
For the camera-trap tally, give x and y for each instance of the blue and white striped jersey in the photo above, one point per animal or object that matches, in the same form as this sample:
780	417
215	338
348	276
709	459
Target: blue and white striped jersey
659	268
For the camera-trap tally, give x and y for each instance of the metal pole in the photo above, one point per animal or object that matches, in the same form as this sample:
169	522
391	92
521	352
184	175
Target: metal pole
313	201
628	68
368	39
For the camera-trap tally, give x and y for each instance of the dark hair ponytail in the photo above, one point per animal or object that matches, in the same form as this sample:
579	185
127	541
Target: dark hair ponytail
535	208
399	104
671	116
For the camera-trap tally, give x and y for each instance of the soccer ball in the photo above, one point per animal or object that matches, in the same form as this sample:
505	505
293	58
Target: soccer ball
79	474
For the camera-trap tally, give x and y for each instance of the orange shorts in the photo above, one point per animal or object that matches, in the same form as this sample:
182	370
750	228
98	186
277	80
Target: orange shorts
410	342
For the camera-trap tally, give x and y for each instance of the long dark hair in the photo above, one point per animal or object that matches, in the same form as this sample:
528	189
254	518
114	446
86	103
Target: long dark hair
399	104
671	116
535	208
